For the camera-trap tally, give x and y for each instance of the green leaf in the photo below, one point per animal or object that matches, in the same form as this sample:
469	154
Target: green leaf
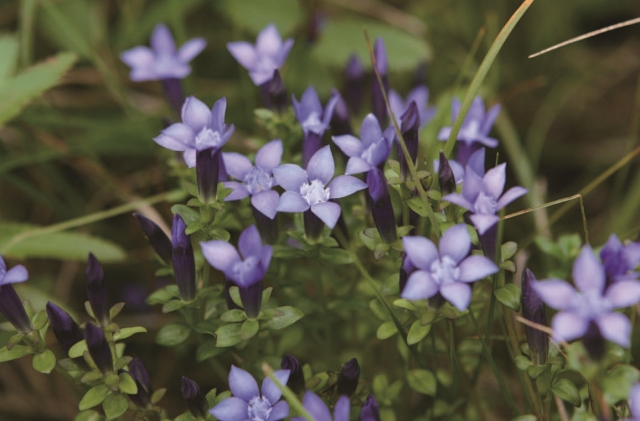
9	54
233	316
284	317
386	330
416	205
508	249
616	385
255	15
249	329
93	397
567	391
158	395
173	305
88	416
40	320
57	245
78	349
534	371
266	294
127	384
417	332
234	292
422	381
185	417
189	215
522	362
161	296
18	351
126	332
336	256
527	417
208	349
228	335
115	310
44	362
173	334
509	295
114	405
18	91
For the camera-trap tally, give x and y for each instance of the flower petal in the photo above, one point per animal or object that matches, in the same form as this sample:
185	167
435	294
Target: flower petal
489	119
279	412
250	243
341	409
475	267
217	118
177	137
483	222
230	409
14	275
266	202
162	41
321	166
623	293
588	273
239	191
292	202
476	162
220	254
556	293
350	145
242	384
190	157
190	49
458	294
244	53
284	51
357	165
269	156
420	286
138	57
512	194
290	177
568	326
455	243
458	199
269	41
370	131
494	180
345	185
444	133
615	327
634	400
328	212
420	251
316	407
195	114
269	388
237	165
472	186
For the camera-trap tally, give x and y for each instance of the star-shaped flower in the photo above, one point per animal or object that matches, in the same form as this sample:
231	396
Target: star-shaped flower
620	260
12	276
448	271
420	95
247	403
200	129
369	152
255	181
268	54
10	304
319	410
311	189
162	61
592	303
310	113
476	125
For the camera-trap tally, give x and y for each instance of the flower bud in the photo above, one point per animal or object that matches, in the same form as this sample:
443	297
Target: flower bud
370	410
310	145
208	162
296	377
409	126
380	204
446	178
348	379
251	298
195	399
277	93
98	348
140	376
377	99
12	309
355	75
340	121
66	330
156	237
533	310
184	265
97	291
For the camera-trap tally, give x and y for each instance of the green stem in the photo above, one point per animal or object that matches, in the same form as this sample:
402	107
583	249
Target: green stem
287	393
452	356
27	13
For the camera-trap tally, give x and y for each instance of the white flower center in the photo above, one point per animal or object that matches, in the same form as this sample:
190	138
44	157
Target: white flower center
312	120
258	180
243	270
259	409
445	271
207	138
485	204
315	192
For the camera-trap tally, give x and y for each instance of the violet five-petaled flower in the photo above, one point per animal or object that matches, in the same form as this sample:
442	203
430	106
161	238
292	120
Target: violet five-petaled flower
483	197
319	410
371	151
255	181
420	95
620	260
10	305
447	271
634	403
261	60
591	304
312	189
162	60
248	403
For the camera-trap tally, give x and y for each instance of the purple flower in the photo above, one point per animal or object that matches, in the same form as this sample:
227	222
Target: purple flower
10	305
634	403
255	181
319	410
313	119
475	162
156	237
533	310
348	378
620	260
296	376
247	403
483	196
447	272
98	348
195	399
97	291
268	54
377	98
369	152
591	304
162	61
419	95
140	376
201	129
340	121
184	264
380	205
370	410
66	330
311	189
354	75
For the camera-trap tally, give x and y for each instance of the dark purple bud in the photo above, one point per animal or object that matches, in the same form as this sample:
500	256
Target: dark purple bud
97	291
156	237
355	75
251	298
66	330
208	163
296	377
489	241
195	399
140	375
409	126
313	225
310	145
370	410
533	310
184	265
380	204
175	95
348	379
446	179
378	104
267	227
594	342
12	309
380	53
340	121
98	348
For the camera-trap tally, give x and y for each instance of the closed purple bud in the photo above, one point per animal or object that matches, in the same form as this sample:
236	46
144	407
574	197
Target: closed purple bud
296	377
370	410
381	207
184	265
377	98
340	121
380	52
140	376
98	348
156	237
409	126
277	93
12	309
489	241
97	291
533	310
195	399
208	172
446	179
251	298
311	144
66	330
348	379
355	75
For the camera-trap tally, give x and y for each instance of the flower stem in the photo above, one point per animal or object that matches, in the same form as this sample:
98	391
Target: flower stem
287	393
